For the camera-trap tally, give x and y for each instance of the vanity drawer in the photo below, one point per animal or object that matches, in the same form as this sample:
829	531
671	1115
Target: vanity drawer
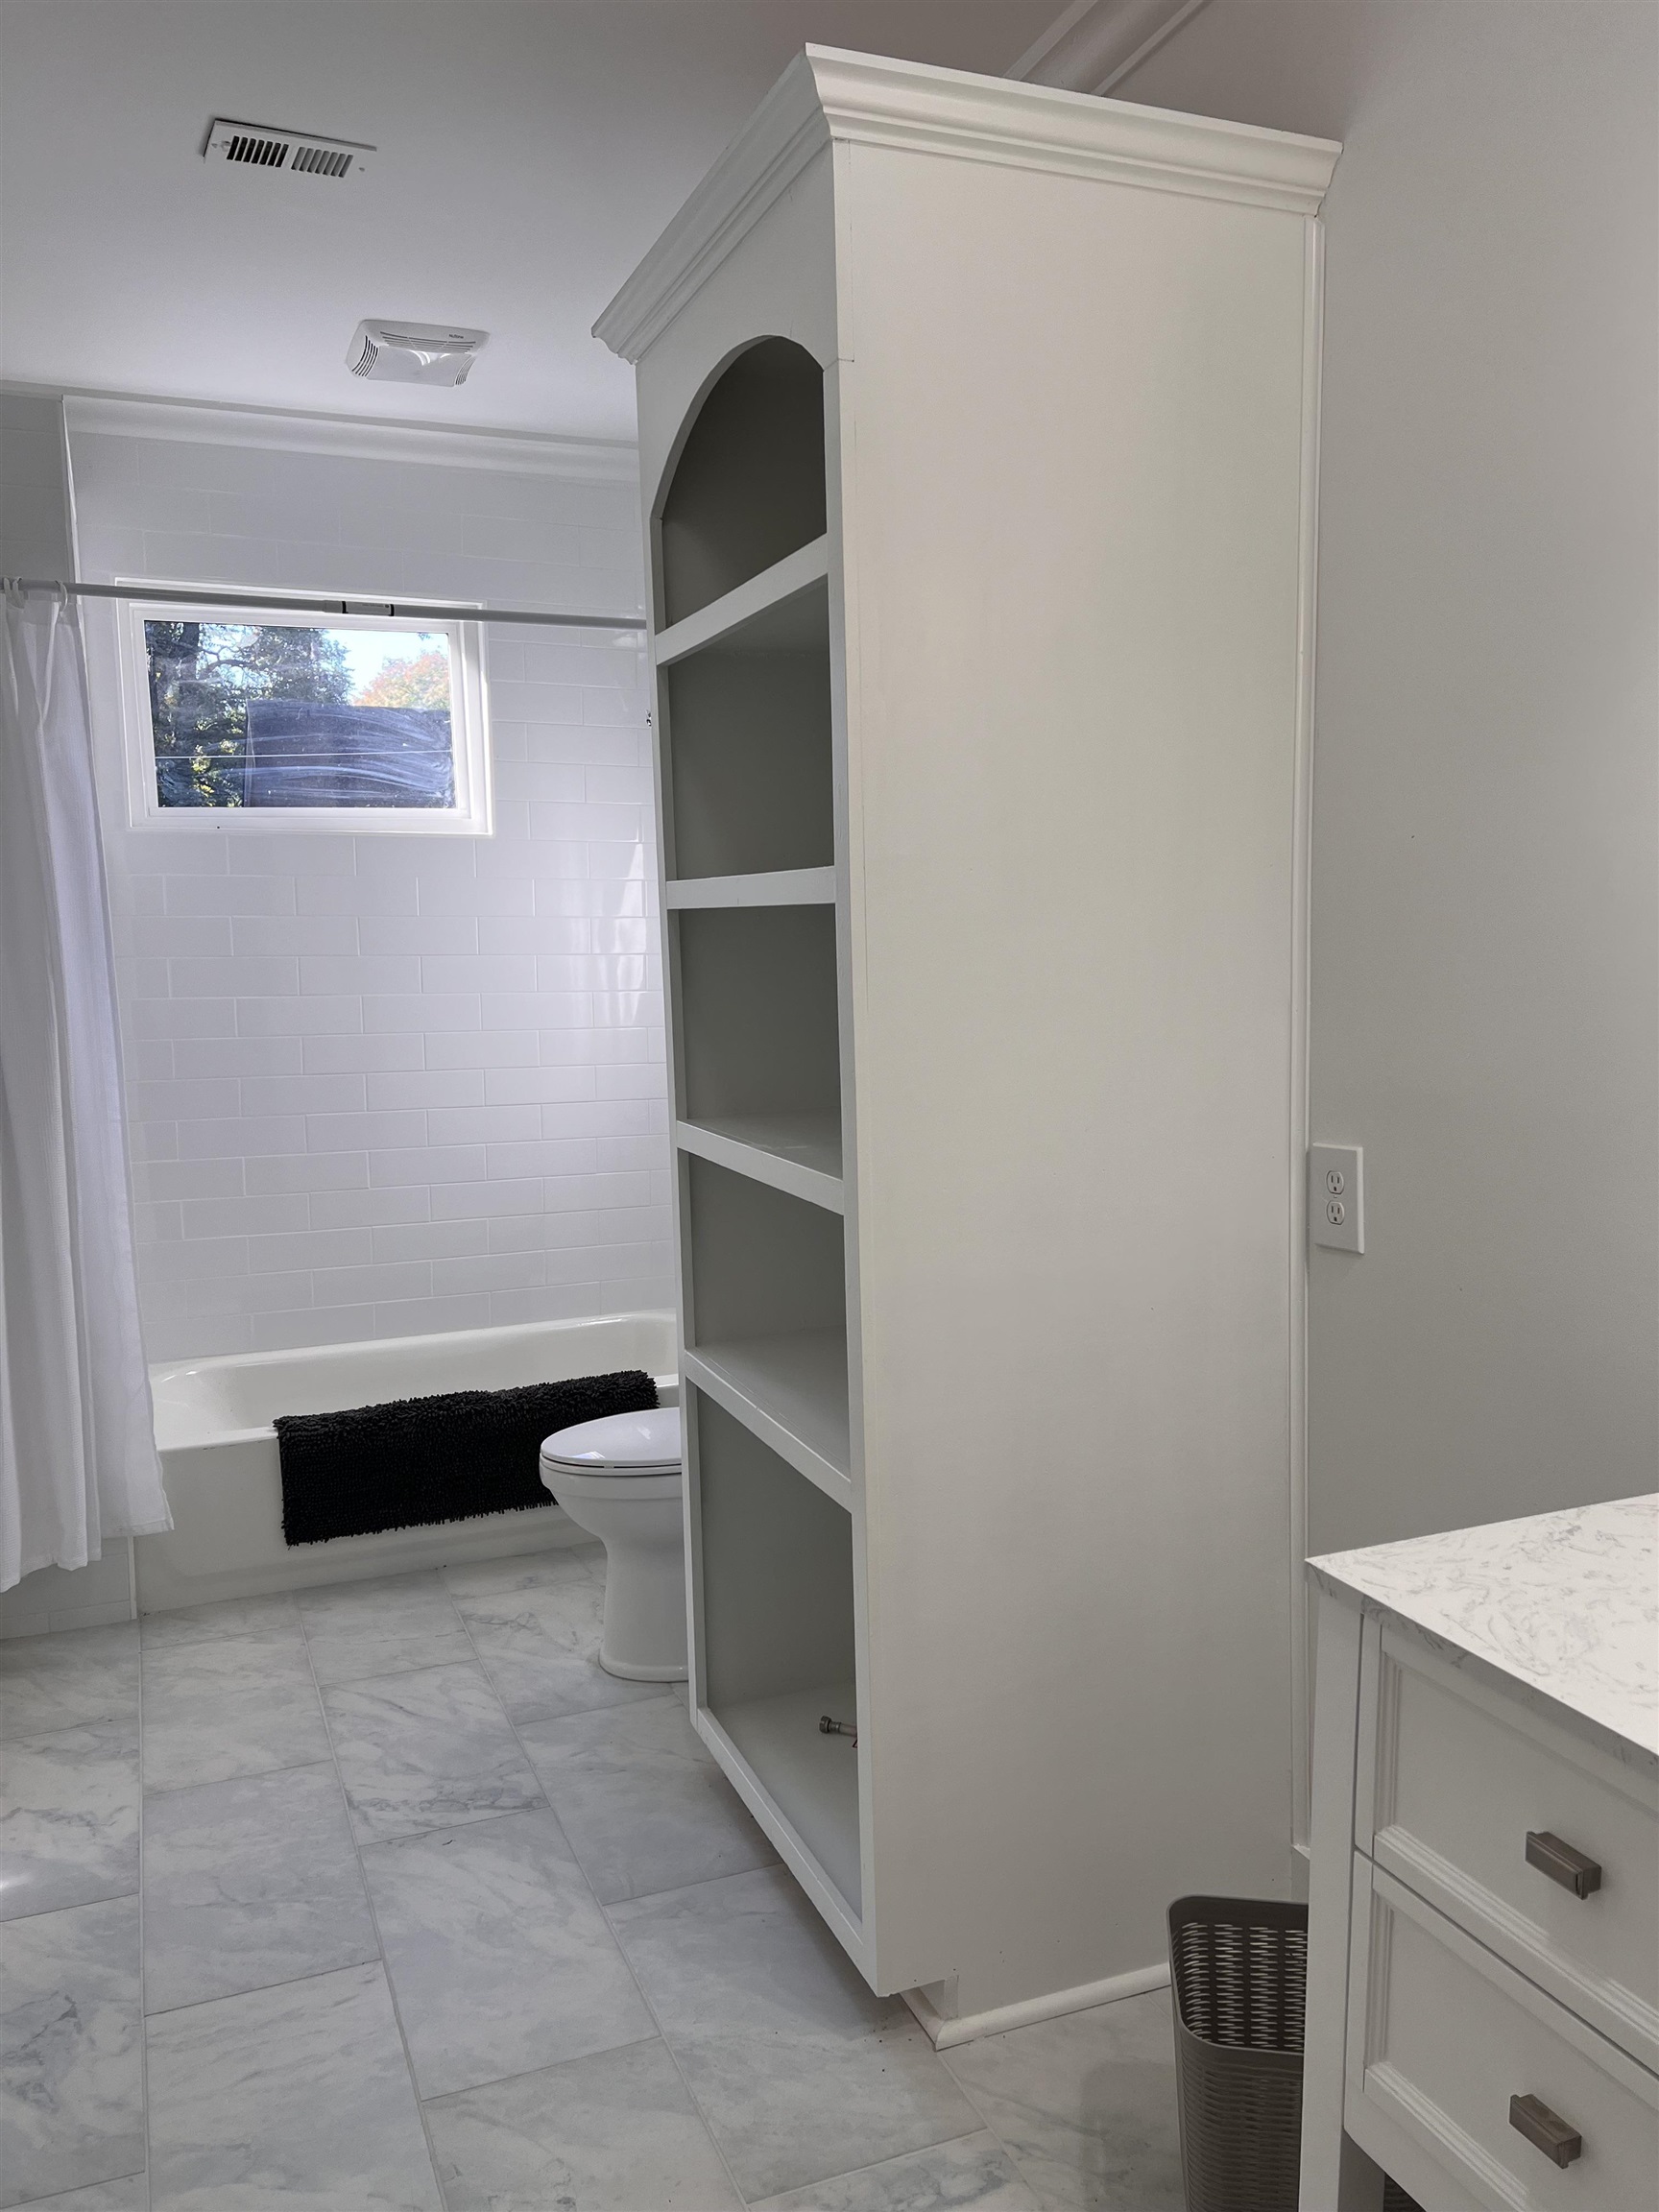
1442	2037
1462	1777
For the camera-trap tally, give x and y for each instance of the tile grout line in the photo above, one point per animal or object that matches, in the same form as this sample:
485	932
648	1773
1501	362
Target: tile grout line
845	2173
1014	2166
260	1774
357	1849
983	2122
143	2007
136	1893
893	2158
288	1982
644	1996
660	2035
44	1912
300	1767
990	2126
603	1914
369	1901
663	2038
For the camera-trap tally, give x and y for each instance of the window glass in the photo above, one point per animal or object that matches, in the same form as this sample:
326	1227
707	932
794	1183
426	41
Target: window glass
298	715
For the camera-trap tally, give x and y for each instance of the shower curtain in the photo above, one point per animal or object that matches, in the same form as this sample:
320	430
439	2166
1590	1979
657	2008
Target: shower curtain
78	1462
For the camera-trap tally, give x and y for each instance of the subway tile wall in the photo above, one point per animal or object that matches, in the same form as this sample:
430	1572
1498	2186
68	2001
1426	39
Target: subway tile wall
383	1084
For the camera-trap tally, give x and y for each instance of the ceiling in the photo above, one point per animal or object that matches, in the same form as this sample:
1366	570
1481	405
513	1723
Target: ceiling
529	152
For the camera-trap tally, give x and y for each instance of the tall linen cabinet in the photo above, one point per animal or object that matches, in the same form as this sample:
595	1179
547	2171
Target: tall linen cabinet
977	430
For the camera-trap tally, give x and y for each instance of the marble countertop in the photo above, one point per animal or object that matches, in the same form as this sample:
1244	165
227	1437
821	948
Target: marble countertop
1566	1604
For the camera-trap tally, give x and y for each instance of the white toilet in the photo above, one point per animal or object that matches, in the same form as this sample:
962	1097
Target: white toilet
620	1479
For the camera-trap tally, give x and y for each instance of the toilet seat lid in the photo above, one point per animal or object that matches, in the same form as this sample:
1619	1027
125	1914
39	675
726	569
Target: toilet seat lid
627	1443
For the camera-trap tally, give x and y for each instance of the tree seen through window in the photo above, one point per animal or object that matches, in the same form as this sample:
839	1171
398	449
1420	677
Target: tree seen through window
298	715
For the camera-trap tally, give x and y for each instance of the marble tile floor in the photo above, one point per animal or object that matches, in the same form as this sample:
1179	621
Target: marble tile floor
387	1896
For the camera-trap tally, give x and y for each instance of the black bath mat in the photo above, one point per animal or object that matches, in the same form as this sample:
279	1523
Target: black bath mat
420	1460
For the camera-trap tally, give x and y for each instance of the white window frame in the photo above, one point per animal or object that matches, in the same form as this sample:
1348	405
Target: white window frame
471	814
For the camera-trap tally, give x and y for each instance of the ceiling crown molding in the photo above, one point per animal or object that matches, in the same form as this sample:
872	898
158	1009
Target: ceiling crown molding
1095	43
204	423
826	96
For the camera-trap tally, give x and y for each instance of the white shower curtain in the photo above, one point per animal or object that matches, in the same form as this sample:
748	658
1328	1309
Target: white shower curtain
78	1460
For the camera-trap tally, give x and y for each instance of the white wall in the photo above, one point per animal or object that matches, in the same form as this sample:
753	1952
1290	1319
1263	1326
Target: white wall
1484	883
381	1085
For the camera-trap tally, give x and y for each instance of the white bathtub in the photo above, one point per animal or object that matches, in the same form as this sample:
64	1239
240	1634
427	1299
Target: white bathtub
223	1482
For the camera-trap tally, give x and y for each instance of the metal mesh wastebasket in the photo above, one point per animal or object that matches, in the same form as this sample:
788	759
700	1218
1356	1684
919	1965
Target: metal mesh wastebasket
1238	1968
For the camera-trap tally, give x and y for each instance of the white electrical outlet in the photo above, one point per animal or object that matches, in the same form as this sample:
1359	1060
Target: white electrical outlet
1337	1196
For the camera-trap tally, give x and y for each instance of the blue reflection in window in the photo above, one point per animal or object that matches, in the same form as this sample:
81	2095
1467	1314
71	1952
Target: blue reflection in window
298	715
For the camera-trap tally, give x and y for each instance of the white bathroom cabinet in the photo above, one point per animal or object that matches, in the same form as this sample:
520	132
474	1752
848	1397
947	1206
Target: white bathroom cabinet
978	426
1483	1909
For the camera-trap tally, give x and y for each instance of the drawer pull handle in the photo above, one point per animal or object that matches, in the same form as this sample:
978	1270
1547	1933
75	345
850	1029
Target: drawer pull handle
1545	2129
1562	1864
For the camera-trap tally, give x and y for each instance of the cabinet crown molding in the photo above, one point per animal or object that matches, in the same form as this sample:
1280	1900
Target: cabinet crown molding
829	96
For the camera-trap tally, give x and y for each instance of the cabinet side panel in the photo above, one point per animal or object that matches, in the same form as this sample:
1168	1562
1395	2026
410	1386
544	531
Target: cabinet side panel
1074	430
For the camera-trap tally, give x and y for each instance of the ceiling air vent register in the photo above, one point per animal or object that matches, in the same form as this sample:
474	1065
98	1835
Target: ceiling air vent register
292	152
414	353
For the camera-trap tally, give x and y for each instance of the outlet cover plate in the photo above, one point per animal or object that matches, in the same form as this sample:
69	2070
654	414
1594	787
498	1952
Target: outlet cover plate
1337	1196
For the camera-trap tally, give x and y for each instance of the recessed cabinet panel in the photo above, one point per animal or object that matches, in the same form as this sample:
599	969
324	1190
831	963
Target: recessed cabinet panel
1442	2037
748	742
1462	1780
759	1028
776	1608
748	484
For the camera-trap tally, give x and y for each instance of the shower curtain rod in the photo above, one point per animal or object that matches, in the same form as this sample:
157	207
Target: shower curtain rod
278	603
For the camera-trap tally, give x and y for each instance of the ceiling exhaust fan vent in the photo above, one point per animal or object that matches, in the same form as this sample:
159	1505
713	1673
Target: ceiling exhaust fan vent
264	146
414	353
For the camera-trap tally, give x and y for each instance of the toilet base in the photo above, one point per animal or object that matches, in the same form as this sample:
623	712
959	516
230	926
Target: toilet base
643	1638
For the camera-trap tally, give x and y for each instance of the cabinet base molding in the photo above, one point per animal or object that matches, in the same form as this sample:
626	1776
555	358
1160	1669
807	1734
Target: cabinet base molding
969	2026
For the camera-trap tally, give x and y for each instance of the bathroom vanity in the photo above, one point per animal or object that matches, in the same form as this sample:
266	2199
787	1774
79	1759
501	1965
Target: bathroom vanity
1484	1962
978	429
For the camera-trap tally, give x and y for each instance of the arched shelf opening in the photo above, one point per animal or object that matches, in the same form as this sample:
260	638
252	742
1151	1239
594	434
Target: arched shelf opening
747	487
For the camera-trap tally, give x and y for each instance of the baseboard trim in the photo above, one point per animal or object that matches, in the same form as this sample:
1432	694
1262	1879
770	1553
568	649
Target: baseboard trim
967	2026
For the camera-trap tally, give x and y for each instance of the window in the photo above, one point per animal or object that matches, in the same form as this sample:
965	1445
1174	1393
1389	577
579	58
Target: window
335	721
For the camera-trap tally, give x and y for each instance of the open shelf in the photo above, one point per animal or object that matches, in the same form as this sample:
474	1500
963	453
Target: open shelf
749	485
792	1392
800	1153
742	650
775	1562
746	746
812	1777
780	887
774	612
766	1315
759	1027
